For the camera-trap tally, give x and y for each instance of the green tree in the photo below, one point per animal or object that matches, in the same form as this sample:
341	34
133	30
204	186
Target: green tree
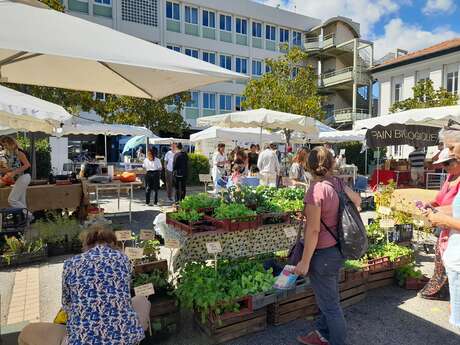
291	86
425	96
54	4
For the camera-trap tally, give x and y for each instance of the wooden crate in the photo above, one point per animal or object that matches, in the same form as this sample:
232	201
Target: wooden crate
354	288
164	317
381	279
226	328
149	267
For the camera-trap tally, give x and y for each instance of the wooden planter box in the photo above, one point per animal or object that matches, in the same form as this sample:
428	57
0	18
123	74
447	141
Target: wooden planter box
164	316
403	261
297	303
235	224
383	276
354	288
193	227
379	265
24	258
416	283
228	327
273	218
149	267
262	300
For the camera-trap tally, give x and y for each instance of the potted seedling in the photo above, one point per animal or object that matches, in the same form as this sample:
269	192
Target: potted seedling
233	217
19	251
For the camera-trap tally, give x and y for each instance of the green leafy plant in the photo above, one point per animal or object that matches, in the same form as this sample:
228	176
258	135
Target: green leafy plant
57	229
151	249
375	233
290	193
233	211
17	246
241	195
290	205
392	250
198	201
197	164
353	265
186	216
158	278
407	271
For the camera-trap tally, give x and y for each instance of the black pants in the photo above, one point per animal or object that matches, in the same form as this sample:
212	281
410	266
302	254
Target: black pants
152	182
180	185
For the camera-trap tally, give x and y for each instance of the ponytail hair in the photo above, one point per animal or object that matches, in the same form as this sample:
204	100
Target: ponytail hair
320	161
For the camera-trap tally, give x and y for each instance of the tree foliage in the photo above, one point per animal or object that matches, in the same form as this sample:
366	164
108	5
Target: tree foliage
425	96
54	4
291	86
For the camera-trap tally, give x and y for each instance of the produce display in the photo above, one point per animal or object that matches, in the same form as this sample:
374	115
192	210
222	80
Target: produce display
158	278
233	211
390	250
198	202
16	249
187	216
204	289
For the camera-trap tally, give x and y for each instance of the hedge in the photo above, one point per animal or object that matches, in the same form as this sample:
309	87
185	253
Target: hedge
197	164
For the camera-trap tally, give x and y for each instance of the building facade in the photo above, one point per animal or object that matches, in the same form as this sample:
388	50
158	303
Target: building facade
240	35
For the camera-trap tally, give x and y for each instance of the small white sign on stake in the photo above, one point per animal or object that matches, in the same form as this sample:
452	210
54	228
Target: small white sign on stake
123	235
144	290
387	223
342	152
146	235
386	211
214	247
134	253
290	232
172	244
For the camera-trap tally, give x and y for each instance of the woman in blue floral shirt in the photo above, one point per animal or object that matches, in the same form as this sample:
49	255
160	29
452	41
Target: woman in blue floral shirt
96	297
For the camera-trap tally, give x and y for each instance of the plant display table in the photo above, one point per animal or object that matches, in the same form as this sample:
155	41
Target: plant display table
235	244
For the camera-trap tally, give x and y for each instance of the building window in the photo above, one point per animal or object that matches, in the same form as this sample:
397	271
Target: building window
225	61
296	38
241	65
175	48
398	92
295	71
209	57
99	96
284	35
225	102
209	100
193	102
103	2
452	82
191	52
256	29
191	15
225	22
241	26
209	19
268	68
256	67
238	101
270	33
172	10
140	11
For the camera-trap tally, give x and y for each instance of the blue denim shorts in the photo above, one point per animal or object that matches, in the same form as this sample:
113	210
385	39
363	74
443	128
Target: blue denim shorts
454	289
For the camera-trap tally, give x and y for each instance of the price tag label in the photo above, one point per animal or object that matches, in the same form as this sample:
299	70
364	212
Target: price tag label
386	211
387	223
172	244
134	253
146	235
144	290
290	232
123	235
214	247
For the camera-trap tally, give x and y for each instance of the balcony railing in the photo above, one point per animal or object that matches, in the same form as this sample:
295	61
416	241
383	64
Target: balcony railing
312	43
348	115
344	75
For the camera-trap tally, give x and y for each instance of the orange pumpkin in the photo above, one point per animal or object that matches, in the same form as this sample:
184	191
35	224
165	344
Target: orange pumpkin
8	181
128	177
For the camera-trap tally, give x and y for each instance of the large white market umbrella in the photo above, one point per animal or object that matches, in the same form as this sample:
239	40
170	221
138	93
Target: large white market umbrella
222	134
261	118
40	46
431	117
19	111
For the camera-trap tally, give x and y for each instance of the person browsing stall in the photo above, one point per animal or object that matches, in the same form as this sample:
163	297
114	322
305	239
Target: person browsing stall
269	166
322	258
153	167
180	171
218	165
169	160
417	166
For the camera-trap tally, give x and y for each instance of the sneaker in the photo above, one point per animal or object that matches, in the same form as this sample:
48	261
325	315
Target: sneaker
312	338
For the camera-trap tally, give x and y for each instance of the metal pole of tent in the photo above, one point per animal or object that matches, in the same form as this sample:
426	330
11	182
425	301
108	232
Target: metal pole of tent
377	167
260	137
105	148
146	145
365	163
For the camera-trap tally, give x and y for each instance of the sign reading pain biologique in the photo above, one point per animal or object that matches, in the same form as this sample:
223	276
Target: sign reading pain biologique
397	134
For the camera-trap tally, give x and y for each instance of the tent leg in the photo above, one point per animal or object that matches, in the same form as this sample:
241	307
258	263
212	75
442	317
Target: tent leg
34	156
105	149
365	163
260	137
146	145
378	166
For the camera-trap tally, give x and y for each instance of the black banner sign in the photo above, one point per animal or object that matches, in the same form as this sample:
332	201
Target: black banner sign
396	134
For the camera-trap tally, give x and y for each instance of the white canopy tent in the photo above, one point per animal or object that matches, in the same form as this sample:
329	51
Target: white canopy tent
262	119
51	48
22	112
432	117
168	141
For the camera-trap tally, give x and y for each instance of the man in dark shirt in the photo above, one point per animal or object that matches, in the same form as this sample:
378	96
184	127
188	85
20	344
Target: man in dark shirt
417	166
180	167
253	157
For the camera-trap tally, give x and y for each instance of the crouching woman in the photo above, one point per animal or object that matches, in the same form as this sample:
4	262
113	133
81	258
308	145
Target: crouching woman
96	298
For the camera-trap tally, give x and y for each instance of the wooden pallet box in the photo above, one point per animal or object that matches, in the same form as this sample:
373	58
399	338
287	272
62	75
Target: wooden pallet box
164	316
381	278
230	326
354	288
149	267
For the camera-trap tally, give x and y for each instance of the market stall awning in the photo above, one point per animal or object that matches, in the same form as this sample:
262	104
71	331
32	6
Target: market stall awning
431	117
396	134
40	46
236	135
168	141
19	111
86	127
134	142
261	118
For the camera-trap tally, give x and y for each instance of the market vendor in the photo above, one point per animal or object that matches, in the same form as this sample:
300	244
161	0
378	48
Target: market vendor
17	167
96	298
218	165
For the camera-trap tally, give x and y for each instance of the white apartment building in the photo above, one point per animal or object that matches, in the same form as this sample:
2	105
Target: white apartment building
237	35
397	77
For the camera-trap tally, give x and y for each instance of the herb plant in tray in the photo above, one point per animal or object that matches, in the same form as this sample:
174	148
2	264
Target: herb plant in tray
200	202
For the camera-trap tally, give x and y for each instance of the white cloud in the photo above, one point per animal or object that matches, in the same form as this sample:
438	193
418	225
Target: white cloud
365	12
437	6
398	34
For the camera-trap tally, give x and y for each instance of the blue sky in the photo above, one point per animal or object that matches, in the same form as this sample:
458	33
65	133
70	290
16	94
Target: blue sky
391	24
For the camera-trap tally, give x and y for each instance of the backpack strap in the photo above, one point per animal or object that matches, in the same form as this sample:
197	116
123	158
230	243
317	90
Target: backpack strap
329	230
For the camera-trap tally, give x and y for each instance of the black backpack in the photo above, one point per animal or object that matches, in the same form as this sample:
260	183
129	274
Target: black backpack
352	234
